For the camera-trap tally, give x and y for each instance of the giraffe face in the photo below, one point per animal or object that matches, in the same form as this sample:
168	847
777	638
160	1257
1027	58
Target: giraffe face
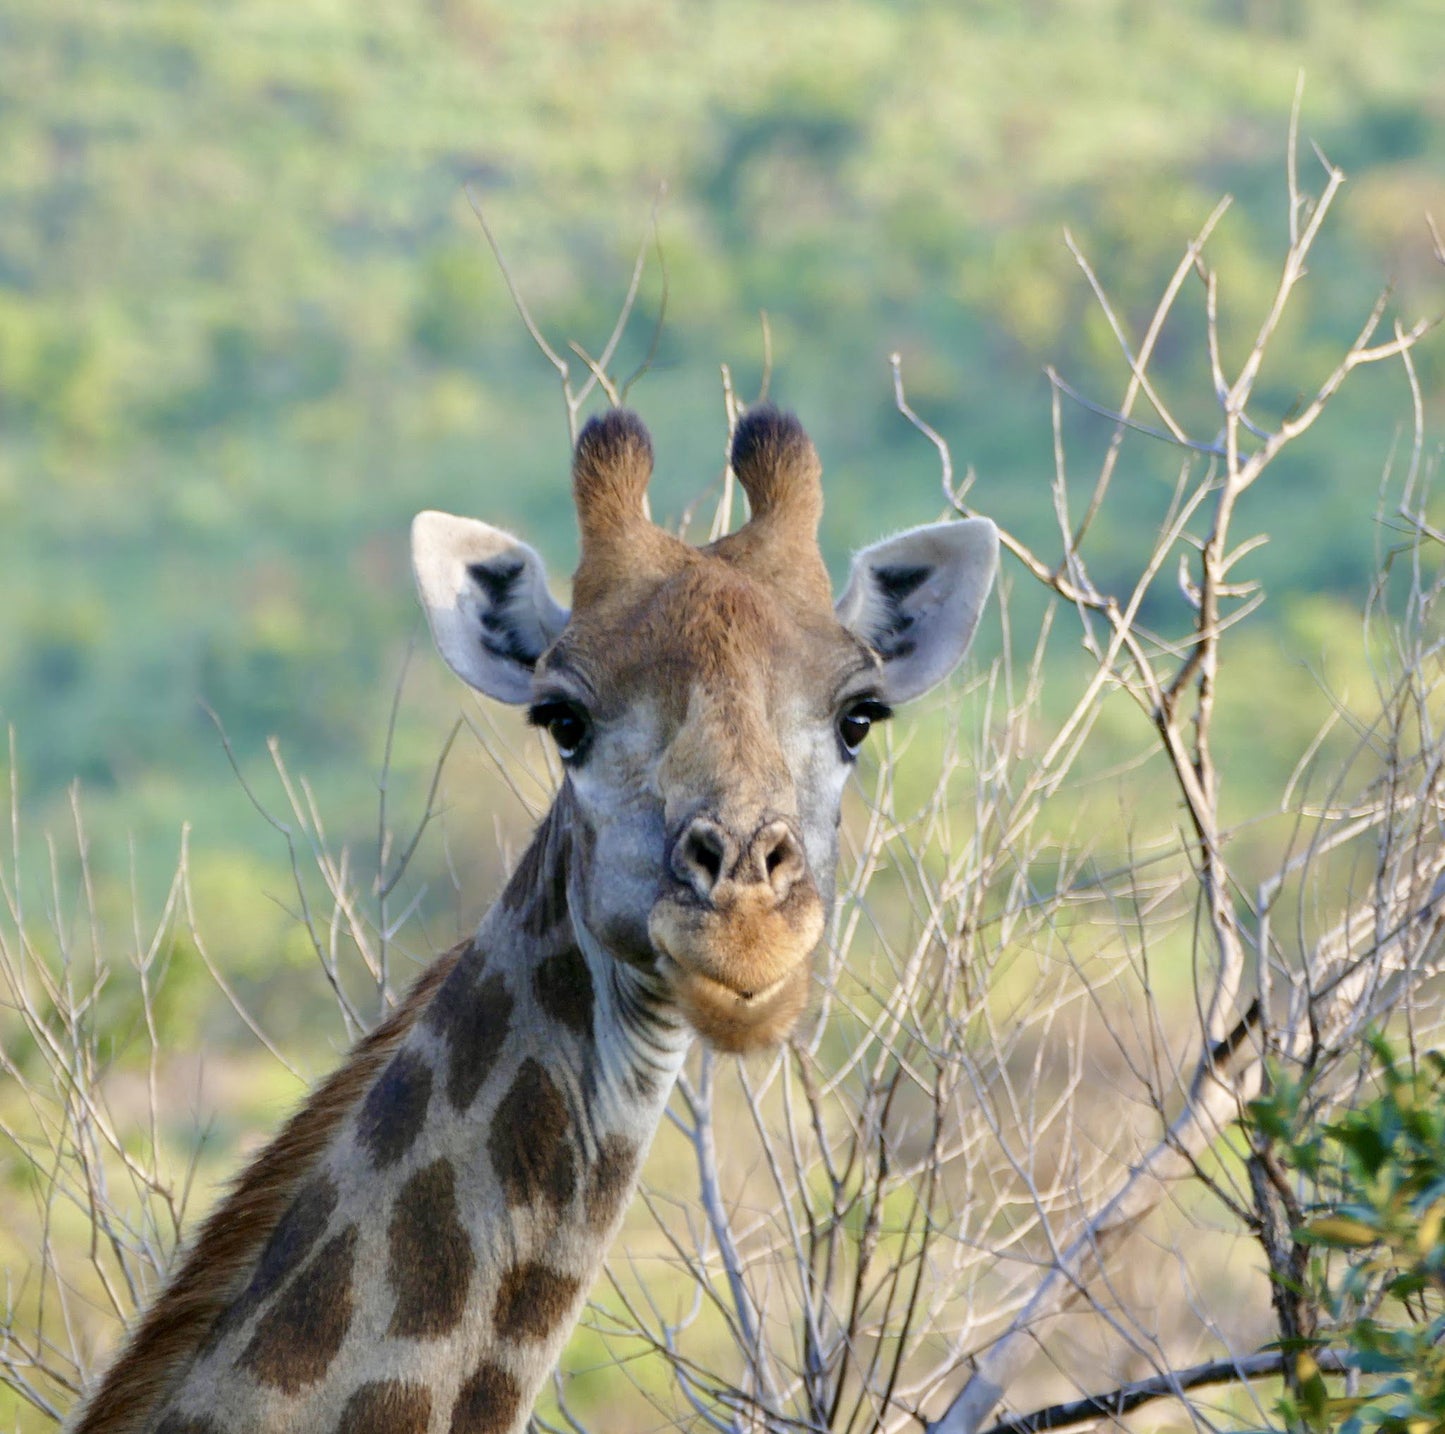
707	704
706	752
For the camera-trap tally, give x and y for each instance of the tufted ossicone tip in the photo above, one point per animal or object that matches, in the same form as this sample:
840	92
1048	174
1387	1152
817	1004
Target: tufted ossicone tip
610	472
780	471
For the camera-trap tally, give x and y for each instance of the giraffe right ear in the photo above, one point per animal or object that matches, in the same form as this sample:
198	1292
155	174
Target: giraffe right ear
915	599
486	600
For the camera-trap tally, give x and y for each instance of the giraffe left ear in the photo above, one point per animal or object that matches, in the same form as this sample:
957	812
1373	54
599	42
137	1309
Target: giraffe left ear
915	599
486	600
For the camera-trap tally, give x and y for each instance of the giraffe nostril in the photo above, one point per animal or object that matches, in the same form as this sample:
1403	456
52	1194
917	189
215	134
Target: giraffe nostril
707	857
700	855
777	856
704	851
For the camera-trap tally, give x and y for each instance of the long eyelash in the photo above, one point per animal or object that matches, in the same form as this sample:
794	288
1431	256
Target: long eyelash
539	714
873	708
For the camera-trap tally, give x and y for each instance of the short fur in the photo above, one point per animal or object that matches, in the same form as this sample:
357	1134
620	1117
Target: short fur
610	471
225	1249
681	882
779	469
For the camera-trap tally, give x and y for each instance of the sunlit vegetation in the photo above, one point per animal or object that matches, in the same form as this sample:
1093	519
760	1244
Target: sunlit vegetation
249	324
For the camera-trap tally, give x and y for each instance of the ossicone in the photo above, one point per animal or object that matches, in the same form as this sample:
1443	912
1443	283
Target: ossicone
779	469
610	472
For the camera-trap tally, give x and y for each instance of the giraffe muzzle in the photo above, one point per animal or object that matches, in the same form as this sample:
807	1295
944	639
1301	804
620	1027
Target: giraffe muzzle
714	865
737	928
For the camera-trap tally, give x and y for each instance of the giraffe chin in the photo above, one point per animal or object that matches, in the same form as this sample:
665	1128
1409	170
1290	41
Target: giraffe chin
740	977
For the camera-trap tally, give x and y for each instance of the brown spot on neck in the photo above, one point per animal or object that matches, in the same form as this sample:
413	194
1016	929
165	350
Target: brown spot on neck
488	1402
386	1406
532	1300
472	1015
291	1241
295	1343
530	1141
394	1111
430	1258
180	1424
609	1181
220	1261
564	990
537	890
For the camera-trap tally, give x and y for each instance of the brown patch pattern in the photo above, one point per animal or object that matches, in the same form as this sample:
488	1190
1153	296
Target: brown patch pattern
609	1180
291	1241
430	1257
537	890
488	1402
225	1250
517	894
549	904
182	1424
386	1406
394	1111
532	1300
529	1143
295	1344
564	990
473	1017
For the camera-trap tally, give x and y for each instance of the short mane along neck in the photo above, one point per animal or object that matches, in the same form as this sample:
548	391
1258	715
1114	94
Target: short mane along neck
411	1252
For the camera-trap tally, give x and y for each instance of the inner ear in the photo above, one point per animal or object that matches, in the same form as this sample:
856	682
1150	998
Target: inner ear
486	600
916	599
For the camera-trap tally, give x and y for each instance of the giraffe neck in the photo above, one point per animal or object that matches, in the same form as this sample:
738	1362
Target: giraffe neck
425	1267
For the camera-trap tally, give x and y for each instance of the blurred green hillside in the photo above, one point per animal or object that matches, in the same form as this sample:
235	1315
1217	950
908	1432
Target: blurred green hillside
248	324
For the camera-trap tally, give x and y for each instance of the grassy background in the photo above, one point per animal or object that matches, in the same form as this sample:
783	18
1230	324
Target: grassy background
248	326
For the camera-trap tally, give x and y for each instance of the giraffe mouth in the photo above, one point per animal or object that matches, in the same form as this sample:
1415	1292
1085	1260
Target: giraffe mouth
679	973
733	1020
739	974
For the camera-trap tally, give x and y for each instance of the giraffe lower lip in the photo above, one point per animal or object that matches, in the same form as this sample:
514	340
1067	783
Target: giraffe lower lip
681	971
764	992
730	1018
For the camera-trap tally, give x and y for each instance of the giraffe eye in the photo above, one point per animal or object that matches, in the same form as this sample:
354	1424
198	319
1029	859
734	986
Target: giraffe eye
567	724
856	721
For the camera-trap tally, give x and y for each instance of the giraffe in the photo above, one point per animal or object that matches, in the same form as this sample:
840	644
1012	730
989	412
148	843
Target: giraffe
412	1249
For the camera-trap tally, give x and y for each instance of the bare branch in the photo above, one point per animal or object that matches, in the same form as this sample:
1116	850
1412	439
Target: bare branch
1172	1384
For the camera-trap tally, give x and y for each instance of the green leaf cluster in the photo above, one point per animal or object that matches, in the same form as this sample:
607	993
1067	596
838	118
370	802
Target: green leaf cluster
1377	1276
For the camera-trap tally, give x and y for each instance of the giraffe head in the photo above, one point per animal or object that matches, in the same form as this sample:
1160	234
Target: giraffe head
707	703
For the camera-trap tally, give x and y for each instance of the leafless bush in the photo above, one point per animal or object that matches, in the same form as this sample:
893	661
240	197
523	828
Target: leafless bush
1000	1180
106	1218
1004	1169
101	1178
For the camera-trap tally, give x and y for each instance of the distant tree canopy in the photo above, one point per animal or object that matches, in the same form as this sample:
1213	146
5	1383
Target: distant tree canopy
248	325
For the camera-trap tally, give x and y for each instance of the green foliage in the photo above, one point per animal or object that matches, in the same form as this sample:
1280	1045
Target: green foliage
1377	1274
248	326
